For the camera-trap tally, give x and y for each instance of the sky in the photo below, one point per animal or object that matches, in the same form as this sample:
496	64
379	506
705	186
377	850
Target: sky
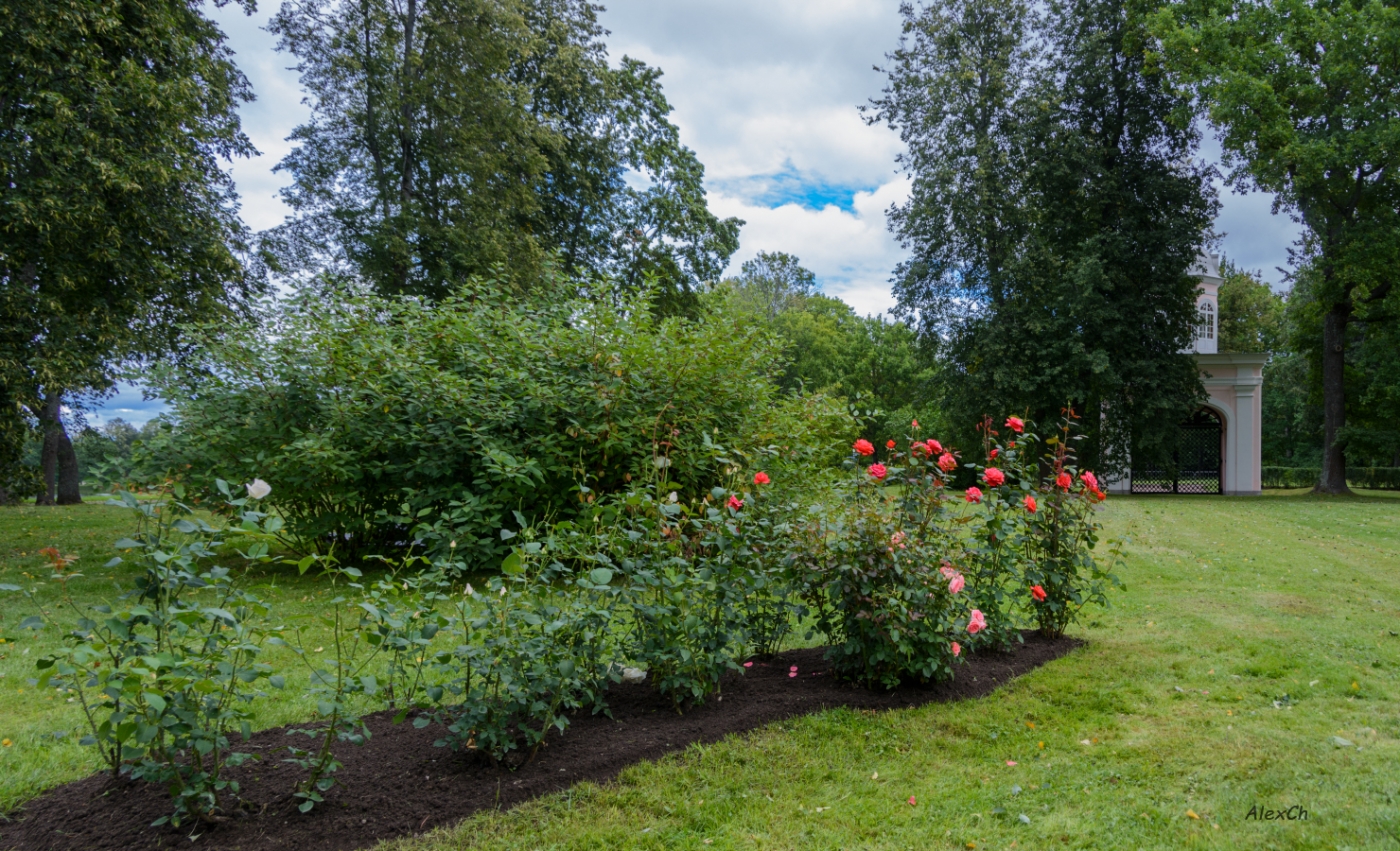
766	94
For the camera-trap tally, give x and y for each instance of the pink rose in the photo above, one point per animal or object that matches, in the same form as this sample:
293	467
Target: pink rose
914	425
864	447
897	540
947	463
948	570
956	583
1015	424
1029	503
934	447
976	623
1089	479
973	494
761	478
994	477
957	649
735	502
878	471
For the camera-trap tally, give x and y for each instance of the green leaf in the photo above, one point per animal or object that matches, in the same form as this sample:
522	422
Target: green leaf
126	544
512	565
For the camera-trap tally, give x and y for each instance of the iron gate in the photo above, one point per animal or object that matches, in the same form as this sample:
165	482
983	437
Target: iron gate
1195	465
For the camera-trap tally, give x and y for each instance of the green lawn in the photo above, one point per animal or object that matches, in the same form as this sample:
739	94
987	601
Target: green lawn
1256	637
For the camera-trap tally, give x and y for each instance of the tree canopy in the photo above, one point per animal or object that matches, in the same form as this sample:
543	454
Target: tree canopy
453	138
117	221
1303	93
1055	213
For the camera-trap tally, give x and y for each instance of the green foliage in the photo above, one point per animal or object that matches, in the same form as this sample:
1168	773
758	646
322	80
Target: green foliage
457	137
1048	515
117	221
874	363
378	421
1251	313
1053	217
1292	418
1279	79
535	644
165	673
1372	478
1289	477
873	579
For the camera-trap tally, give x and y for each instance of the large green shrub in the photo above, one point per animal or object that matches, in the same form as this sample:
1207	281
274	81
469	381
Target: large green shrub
377	421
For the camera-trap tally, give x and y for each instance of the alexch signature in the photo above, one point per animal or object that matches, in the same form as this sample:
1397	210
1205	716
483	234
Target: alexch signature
1293	813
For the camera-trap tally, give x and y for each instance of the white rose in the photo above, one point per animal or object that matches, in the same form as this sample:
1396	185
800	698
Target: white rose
259	489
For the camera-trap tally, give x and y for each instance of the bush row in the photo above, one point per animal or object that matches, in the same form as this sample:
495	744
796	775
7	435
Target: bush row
899	574
1375	478
388	420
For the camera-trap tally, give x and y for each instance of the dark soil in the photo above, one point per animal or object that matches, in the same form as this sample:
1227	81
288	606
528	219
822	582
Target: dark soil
399	783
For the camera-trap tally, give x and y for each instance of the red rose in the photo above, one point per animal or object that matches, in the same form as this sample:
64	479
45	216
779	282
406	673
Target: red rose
919	449
761	478
914	425
993	453
947	463
1015	424
1029	503
973	494
1063	481
994	477
1100	495
878	471
864	447
934	447
1038	593
889	444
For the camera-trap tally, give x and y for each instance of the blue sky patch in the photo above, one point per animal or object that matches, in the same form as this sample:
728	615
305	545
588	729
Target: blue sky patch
791	185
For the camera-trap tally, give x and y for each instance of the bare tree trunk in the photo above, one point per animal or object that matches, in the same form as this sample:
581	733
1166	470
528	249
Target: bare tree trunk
1334	461
52	427
70	477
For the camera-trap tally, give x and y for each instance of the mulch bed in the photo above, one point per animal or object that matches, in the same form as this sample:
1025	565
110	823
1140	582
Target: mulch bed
399	784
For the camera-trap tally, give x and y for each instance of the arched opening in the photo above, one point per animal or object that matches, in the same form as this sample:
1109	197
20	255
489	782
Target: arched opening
1197	464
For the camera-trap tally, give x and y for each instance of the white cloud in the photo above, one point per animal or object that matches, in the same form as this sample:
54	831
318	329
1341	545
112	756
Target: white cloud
850	251
269	119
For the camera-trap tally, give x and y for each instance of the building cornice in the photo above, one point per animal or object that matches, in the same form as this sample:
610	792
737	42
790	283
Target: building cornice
1233	359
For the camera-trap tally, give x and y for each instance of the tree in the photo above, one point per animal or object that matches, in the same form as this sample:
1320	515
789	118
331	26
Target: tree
773	283
453	138
958	88
117	222
1054	217
1251	313
873	362
1303	93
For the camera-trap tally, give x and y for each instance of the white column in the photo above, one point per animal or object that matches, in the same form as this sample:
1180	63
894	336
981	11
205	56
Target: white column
1240	467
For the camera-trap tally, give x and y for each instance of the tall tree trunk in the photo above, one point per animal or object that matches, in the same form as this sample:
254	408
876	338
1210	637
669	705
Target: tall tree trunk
70	476
1334	461
52	427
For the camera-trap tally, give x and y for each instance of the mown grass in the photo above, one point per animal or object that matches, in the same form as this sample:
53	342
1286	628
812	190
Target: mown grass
1253	635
